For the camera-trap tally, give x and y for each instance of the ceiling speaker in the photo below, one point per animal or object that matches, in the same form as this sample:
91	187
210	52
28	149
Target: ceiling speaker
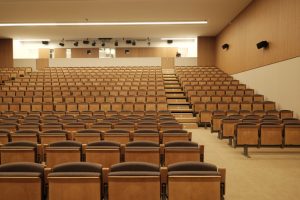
262	44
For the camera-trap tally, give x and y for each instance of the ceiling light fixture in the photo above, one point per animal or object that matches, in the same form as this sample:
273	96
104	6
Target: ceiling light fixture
104	23
76	44
94	43
178	38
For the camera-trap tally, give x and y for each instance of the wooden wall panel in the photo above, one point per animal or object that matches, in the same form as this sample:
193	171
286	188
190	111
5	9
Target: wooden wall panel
44	53
146	52
276	21
42	63
168	62
82	53
6	53
206	51
60	53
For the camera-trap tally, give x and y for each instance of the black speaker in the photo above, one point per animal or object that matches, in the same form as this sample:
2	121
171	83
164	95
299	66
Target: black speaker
169	41
262	44
225	46
85	42
45	42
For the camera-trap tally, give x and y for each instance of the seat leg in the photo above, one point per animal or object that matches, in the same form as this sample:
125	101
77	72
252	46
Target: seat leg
246	151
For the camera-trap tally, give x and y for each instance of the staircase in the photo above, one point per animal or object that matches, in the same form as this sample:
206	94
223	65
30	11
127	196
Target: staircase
177	101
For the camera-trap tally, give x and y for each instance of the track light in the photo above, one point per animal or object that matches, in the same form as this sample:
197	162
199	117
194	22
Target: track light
45	42
76	44
62	44
225	46
133	43
103	44
116	43
149	43
86	41
94	43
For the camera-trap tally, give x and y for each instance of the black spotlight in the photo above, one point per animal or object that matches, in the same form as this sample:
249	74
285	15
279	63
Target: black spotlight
62	44
85	41
94	43
45	42
149	43
225	46
88	52
169	41
76	44
116	43
133	43
103	44
262	44
128	41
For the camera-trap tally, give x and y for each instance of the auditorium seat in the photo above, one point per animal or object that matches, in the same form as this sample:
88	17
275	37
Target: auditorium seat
54	135
134	180
117	135
22	151
88	135
62	152
4	136
146	135
195	180
76	181
292	133
26	135
22	180
175	135
106	153
180	151
271	134
246	134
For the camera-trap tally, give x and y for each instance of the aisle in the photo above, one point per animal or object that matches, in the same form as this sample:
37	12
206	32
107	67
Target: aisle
269	173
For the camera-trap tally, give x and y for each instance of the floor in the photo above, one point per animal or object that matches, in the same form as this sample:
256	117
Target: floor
268	174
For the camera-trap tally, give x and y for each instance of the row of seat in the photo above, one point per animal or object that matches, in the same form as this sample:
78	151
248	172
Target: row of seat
226	98
104	152
69	107
67	98
218	115
220	92
127	181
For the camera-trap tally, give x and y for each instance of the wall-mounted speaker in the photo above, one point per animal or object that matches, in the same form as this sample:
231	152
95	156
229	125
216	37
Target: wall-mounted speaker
262	44
225	46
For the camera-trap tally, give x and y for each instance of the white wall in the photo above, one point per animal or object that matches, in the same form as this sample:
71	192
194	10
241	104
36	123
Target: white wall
104	62
279	82
25	63
186	61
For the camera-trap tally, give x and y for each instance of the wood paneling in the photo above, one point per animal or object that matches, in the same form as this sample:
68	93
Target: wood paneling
146	52
206	51
44	53
60	53
82	53
42	63
6	53
276	21
168	63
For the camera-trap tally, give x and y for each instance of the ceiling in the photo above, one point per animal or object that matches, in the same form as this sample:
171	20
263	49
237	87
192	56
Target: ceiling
218	13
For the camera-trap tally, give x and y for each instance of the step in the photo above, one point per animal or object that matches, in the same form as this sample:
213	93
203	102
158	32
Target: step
171	82
183	115
175	95
171	101
190	125
174	90
188	120
177	110
178	106
173	86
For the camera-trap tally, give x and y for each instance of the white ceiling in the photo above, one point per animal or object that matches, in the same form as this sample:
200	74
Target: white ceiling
218	13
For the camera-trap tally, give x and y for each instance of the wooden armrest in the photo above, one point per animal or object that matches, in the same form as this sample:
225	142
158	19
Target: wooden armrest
105	172
163	175
46	172
201	148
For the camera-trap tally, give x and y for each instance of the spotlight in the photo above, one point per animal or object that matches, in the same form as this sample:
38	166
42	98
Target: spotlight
86	41
45	42
169	41
76	44
62	44
262	44
178	54
149	43
116	43
94	43
128	41
88	52
133	43
225	46
103	44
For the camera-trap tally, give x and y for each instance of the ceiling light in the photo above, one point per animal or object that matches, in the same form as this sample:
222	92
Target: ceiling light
178	38
116	43
133	43
94	43
105	23
76	44
103	44
86	41
45	42
62	43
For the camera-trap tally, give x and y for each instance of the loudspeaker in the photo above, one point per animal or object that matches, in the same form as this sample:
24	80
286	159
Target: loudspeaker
225	46
169	41
262	44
